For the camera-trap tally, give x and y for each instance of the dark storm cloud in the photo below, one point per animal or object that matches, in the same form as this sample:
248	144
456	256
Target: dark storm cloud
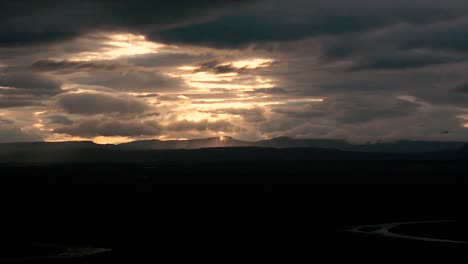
110	127
60	119
401	61
444	36
73	66
20	88
129	128
360	55
26	22
462	88
6	121
92	103
402	46
27	80
8	101
132	80
212	22
350	109
299	19
9	133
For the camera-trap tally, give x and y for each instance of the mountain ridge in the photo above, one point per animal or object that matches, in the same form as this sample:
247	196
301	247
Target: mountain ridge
401	146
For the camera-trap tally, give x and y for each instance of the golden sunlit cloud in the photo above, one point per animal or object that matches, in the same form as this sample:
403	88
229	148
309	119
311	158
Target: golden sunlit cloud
119	45
40	122
464	119
187	68
206	81
68	86
251	63
239	87
39	126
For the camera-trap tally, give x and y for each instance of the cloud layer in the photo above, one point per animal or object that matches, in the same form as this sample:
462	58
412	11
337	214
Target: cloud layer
123	70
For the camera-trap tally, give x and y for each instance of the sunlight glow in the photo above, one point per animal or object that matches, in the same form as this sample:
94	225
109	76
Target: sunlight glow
111	140
239	87
119	45
252	63
300	100
39	126
205	80
187	68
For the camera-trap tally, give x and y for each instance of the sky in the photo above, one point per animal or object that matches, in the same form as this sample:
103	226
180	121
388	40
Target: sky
119	71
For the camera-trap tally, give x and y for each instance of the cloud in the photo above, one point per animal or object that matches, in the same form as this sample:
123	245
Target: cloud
203	125
402	60
9	133
73	66
134	128
150	95
28	22
362	57
171	97
462	88
28	81
254	115
424	122
133	80
401	46
280	21
92	103
169	59
110	127
4	121
12	101
20	88
442	36
274	90
350	109
214	22
60	119
23	88
216	67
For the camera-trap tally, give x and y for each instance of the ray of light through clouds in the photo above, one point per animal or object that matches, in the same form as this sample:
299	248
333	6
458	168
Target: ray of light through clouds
115	46
250	70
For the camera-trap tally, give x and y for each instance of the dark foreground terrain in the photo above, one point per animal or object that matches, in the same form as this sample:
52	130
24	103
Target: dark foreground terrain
267	211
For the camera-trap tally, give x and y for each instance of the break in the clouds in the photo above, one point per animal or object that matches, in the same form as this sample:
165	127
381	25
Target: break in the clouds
114	71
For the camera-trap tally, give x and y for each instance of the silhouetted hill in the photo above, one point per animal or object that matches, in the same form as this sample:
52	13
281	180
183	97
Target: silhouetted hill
69	145
216	142
404	146
227	149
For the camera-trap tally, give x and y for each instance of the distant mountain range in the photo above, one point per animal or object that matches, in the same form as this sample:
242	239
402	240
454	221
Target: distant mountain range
227	149
403	146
